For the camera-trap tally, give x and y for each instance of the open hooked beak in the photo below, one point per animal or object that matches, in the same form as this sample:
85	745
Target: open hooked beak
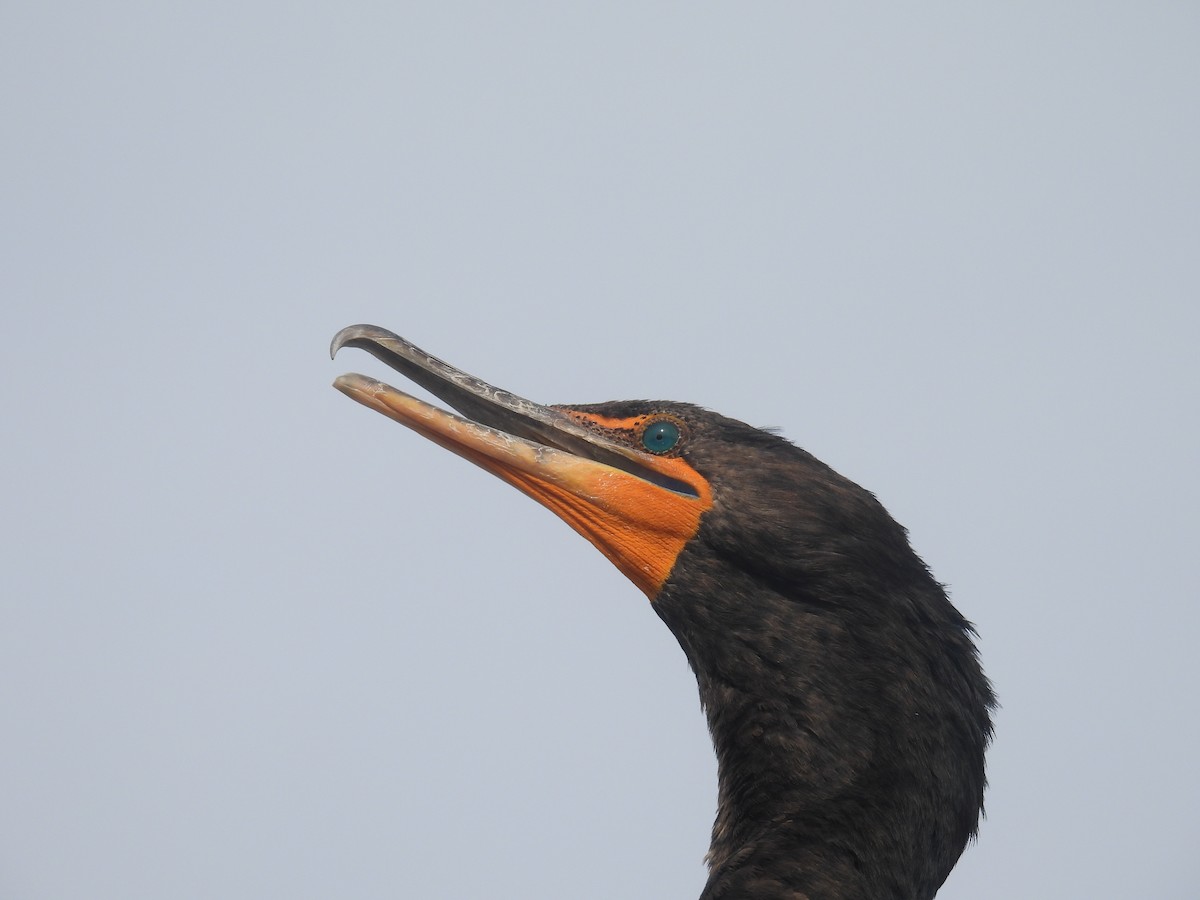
637	508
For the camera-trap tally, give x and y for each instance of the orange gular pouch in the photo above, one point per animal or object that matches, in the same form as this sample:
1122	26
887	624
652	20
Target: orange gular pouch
639	508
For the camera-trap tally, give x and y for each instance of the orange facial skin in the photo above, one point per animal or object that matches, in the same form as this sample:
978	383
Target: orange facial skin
640	526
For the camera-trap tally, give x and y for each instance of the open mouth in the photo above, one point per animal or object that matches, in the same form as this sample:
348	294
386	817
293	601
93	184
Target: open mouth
637	508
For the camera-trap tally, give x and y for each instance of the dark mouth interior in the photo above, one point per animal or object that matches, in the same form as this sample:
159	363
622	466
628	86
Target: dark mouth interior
514	423
480	402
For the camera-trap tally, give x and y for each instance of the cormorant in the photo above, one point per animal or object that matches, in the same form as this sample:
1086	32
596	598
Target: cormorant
847	706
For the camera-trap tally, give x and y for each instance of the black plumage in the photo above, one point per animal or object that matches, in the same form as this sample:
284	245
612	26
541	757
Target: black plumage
847	706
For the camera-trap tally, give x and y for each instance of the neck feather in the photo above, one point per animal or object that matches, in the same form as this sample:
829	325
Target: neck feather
849	735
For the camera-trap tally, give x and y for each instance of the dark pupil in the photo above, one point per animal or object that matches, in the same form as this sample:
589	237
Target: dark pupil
660	437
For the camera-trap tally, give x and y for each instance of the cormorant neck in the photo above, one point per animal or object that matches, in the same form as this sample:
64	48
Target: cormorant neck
849	737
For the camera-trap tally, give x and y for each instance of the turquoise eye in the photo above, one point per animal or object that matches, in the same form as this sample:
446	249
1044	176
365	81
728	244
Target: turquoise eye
660	436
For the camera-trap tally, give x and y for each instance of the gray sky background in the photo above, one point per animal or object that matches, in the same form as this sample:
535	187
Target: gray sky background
258	641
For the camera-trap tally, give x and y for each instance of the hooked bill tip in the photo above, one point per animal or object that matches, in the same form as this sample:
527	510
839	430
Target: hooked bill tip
354	332
340	339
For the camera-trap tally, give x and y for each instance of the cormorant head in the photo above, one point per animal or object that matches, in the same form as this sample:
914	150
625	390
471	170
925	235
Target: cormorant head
848	709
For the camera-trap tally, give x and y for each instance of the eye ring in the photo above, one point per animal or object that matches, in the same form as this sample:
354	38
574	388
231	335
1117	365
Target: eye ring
661	434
